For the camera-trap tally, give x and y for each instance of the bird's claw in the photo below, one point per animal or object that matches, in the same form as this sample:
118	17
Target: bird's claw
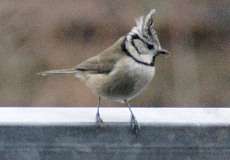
134	125
99	121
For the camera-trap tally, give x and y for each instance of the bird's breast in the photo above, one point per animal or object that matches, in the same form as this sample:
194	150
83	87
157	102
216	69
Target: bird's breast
127	80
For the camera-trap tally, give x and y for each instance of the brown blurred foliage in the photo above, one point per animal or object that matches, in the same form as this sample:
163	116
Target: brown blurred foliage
37	35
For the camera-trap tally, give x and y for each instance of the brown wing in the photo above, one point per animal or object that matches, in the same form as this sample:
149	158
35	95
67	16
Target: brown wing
104	62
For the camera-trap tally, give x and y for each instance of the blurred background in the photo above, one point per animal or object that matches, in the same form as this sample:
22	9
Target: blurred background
36	35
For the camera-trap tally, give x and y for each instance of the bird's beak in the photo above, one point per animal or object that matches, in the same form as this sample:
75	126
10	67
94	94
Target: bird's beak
162	51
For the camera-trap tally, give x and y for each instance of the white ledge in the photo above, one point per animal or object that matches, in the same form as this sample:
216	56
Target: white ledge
70	116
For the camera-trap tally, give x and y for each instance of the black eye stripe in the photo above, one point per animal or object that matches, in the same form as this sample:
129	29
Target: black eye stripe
149	46
123	47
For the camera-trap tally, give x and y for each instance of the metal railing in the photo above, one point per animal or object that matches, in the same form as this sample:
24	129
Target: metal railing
71	134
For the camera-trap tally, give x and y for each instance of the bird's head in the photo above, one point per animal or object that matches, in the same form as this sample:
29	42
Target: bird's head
146	30
142	41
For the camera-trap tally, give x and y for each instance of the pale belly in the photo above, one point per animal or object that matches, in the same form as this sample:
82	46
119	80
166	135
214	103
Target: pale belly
127	81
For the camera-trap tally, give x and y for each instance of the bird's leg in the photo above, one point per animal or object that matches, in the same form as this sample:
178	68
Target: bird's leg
99	121
133	123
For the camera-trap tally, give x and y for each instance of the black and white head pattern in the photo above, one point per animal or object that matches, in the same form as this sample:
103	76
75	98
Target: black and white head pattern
142	42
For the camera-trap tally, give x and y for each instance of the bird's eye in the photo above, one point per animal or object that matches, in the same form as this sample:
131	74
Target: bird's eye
150	46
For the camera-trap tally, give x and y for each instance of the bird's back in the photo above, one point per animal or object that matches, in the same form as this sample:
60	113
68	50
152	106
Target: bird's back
101	64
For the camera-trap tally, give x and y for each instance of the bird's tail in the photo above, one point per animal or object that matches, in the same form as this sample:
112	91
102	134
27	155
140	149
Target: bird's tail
58	71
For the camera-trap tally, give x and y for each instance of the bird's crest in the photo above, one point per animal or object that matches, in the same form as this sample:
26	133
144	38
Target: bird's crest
145	26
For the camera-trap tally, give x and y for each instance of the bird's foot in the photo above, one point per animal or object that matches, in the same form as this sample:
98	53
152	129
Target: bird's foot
134	125
99	121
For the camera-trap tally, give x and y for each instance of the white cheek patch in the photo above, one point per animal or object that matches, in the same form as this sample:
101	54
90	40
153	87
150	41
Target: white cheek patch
132	50
139	51
141	47
145	54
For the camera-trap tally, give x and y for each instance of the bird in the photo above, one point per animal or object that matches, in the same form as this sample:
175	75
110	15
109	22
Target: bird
122	71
